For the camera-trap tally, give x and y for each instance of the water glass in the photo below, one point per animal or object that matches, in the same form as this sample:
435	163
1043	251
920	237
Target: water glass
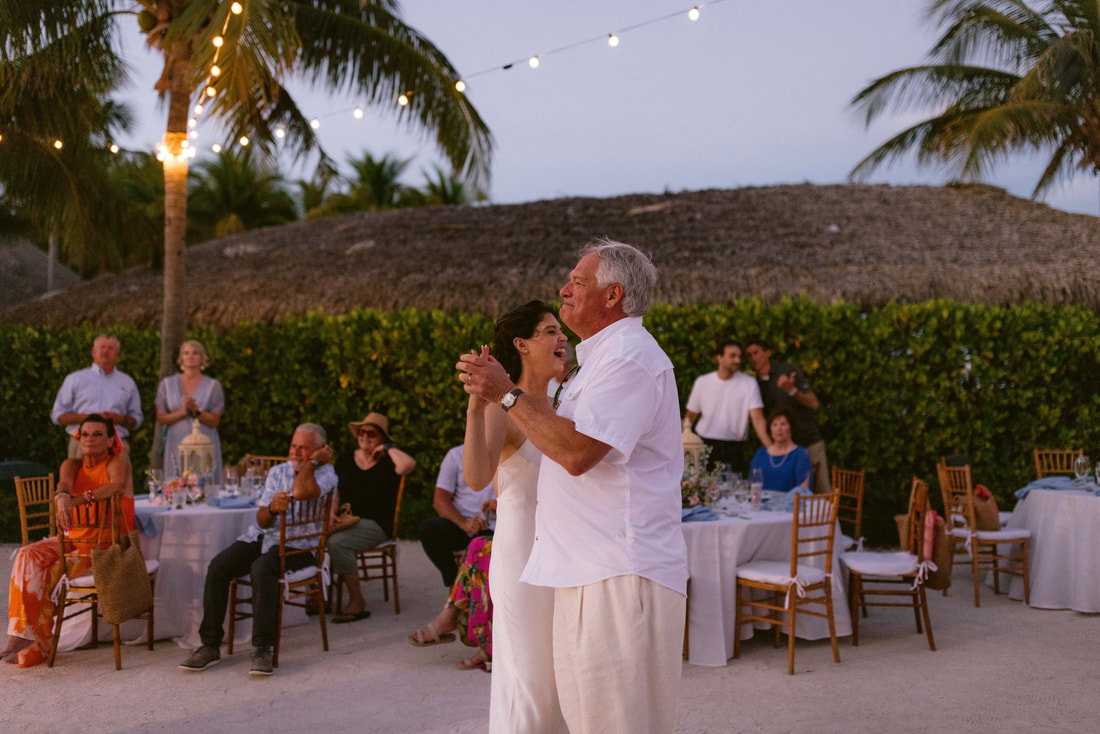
231	481
1081	468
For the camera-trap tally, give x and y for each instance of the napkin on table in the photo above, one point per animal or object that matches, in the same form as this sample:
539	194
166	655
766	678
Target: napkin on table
699	513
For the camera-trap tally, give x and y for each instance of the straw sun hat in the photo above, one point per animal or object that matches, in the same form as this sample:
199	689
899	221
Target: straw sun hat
377	420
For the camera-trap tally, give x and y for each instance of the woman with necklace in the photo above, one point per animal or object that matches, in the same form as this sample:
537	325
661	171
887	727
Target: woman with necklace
785	464
184	397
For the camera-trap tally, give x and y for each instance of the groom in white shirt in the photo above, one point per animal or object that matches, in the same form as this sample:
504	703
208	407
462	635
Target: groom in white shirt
607	527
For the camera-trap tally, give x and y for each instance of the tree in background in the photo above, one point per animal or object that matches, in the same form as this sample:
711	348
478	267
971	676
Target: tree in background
341	45
235	193
1006	76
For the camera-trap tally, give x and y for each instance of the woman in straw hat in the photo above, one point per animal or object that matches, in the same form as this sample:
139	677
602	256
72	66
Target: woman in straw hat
369	479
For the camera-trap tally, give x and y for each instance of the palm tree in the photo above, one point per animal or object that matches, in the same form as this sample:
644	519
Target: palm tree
441	188
349	46
1006	76
375	185
233	193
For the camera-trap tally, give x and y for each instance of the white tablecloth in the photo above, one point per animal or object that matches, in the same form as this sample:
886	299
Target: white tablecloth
715	549
185	542
1064	549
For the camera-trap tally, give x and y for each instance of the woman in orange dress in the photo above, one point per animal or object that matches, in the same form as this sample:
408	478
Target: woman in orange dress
38	567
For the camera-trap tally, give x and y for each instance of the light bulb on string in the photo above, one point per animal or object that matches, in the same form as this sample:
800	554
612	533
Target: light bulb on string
693	14
460	86
58	144
244	140
191	152
198	109
358	113
216	148
533	62
114	148
218	41
184	144
210	91
161	157
215	70
280	132
315	123
402	100
192	122
612	40
193	134
236	8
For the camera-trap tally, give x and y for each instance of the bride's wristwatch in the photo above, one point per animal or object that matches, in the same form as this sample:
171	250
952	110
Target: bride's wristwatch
509	399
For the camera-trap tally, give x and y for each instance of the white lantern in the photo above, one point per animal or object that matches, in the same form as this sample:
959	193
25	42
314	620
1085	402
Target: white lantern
196	454
694	452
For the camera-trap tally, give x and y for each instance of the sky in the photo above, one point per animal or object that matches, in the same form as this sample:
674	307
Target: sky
750	94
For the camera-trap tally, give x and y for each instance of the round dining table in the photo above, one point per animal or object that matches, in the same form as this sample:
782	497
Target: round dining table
1064	550
715	550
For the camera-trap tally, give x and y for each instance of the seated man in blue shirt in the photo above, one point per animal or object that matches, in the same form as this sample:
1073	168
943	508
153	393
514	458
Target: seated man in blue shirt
306	476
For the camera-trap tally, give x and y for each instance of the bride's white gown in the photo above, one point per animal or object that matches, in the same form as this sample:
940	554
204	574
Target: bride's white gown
524	696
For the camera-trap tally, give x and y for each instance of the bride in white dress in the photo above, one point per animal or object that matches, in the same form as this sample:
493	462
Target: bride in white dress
529	343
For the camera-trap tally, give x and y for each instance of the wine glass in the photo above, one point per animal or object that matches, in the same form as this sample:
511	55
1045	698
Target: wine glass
1081	467
741	496
756	485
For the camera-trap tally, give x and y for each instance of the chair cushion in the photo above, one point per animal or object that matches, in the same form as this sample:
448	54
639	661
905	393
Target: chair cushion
151	566
779	573
847	541
880	564
961	533
1004	535
89	580
302	574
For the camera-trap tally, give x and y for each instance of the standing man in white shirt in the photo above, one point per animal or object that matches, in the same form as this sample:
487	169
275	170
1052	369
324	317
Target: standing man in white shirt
99	389
607	527
727	400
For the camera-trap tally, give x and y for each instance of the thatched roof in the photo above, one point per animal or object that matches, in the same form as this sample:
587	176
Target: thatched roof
23	270
866	244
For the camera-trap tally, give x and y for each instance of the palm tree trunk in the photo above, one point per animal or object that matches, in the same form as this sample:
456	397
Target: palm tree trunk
174	320
51	261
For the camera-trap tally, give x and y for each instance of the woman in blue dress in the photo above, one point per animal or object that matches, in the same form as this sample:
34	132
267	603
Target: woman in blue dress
184	397
785	464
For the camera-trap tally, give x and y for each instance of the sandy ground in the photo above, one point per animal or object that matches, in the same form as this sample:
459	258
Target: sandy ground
1001	668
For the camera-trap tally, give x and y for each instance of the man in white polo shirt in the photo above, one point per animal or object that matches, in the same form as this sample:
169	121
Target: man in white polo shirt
727	399
607	527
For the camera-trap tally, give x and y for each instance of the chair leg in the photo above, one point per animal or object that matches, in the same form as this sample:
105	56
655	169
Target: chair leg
1027	580
56	633
832	619
95	624
977	578
396	593
736	621
149	621
320	598
923	600
232	614
118	648
916	609
996	570
856	602
279	624
791	613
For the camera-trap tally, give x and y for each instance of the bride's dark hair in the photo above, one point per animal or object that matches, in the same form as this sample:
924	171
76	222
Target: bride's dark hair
520	322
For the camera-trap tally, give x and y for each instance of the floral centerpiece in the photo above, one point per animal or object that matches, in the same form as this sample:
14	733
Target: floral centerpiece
699	485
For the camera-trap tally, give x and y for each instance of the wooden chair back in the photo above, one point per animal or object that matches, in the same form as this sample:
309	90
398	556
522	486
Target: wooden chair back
36	506
262	464
309	519
958	496
849	485
397	507
918	510
1055	461
814	524
103	517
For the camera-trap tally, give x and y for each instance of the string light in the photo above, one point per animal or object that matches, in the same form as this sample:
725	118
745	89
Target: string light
198	109
533	62
58	144
210	92
280	132
403	100
218	41
315	123
215	70
192	122
216	148
358	114
244	140
460	86
693	14
612	40
236	8
114	148
194	134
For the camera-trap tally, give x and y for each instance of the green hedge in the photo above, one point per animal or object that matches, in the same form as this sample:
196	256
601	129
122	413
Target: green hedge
899	386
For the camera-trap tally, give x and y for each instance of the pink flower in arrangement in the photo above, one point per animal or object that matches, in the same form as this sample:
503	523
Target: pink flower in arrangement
693	500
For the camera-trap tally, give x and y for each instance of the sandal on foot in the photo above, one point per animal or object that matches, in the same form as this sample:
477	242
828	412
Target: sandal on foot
419	639
479	660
